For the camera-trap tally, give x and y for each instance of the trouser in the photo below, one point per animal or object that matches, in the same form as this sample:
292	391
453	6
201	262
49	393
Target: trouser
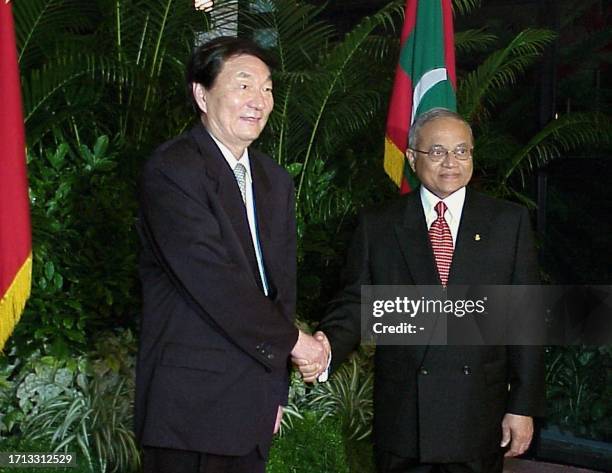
387	462
167	460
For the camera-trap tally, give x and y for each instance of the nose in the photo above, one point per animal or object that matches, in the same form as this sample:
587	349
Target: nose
258	100
450	160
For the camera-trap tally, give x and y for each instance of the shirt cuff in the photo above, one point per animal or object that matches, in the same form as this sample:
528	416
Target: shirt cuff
325	375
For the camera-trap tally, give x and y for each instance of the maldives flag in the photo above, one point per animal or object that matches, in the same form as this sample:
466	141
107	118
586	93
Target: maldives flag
424	79
15	237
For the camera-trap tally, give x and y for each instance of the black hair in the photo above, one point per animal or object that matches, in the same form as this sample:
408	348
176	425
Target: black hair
207	60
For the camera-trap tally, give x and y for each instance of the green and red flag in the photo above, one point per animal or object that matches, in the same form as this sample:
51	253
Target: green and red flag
15	236
424	79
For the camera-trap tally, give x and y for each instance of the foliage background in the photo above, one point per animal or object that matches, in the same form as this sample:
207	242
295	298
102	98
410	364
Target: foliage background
103	85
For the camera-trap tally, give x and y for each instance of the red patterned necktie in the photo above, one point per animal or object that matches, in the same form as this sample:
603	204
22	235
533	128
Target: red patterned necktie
442	243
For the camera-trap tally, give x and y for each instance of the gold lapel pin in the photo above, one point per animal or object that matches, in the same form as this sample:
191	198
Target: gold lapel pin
477	237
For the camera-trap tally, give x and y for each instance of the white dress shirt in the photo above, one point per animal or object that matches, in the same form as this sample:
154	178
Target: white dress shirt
250	208
454	208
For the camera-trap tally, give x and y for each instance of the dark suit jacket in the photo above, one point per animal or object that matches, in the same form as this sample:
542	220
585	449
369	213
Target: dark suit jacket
441	404
214	350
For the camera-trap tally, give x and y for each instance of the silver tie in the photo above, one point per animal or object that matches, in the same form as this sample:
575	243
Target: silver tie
240	173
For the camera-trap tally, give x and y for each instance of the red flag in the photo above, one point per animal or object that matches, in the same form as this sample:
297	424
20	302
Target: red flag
15	236
424	78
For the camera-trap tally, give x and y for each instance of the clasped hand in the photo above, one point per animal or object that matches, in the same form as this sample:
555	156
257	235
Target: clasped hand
310	355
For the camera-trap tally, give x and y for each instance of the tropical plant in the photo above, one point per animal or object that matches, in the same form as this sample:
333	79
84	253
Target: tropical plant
84	247
347	396
94	419
310	447
106	67
17	444
502	158
324	93
83	404
579	389
81	83
293	410
50	34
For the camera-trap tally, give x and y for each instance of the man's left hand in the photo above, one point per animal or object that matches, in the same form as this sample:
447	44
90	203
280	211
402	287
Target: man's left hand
517	431
279	418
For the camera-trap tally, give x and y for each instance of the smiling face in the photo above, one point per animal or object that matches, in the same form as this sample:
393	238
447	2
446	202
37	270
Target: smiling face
449	175
237	106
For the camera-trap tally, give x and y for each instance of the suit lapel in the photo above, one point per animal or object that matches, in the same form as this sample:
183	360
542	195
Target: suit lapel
224	183
414	243
263	193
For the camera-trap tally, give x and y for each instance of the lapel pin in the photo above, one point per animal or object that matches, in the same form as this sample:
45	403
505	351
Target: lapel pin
477	237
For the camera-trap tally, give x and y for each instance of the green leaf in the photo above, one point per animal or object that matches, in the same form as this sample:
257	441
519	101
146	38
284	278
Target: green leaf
101	147
295	168
49	270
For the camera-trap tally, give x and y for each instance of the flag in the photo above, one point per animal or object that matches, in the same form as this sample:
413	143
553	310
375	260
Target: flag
424	79
15	237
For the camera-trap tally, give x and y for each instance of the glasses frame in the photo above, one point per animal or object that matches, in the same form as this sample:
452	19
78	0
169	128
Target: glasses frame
448	151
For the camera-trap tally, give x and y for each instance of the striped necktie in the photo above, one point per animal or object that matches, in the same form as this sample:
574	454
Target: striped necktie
240	173
442	243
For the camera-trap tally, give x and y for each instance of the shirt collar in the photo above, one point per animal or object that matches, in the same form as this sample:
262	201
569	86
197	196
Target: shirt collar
454	203
231	159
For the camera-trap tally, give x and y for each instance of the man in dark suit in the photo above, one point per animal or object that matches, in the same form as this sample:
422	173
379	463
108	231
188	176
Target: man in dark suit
442	408
218	267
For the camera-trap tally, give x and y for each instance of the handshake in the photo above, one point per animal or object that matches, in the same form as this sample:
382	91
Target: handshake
311	355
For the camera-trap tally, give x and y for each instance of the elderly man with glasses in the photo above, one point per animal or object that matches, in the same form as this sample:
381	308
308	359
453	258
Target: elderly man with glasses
441	408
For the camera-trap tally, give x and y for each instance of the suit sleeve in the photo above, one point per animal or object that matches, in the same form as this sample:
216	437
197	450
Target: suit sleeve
342	324
526	363
187	238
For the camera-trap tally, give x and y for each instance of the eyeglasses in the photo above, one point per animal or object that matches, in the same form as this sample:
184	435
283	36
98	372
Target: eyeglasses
440	153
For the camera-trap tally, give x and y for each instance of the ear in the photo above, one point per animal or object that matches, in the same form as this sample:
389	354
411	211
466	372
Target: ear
199	94
410	156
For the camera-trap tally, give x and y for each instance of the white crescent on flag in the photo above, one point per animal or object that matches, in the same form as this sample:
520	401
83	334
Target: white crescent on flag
427	81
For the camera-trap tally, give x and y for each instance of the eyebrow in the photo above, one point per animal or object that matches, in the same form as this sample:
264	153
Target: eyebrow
463	143
246	75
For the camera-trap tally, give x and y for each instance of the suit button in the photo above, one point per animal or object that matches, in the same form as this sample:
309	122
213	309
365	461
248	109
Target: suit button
424	371
270	356
258	347
467	370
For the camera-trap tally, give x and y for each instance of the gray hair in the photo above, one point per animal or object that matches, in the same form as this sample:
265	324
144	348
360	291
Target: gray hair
430	116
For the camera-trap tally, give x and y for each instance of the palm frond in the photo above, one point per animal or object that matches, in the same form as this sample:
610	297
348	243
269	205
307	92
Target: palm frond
382	48
473	41
62	88
40	22
499	70
568	132
337	63
463	7
300	37
324	200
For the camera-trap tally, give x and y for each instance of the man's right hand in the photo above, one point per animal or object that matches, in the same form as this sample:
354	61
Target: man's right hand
310	356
